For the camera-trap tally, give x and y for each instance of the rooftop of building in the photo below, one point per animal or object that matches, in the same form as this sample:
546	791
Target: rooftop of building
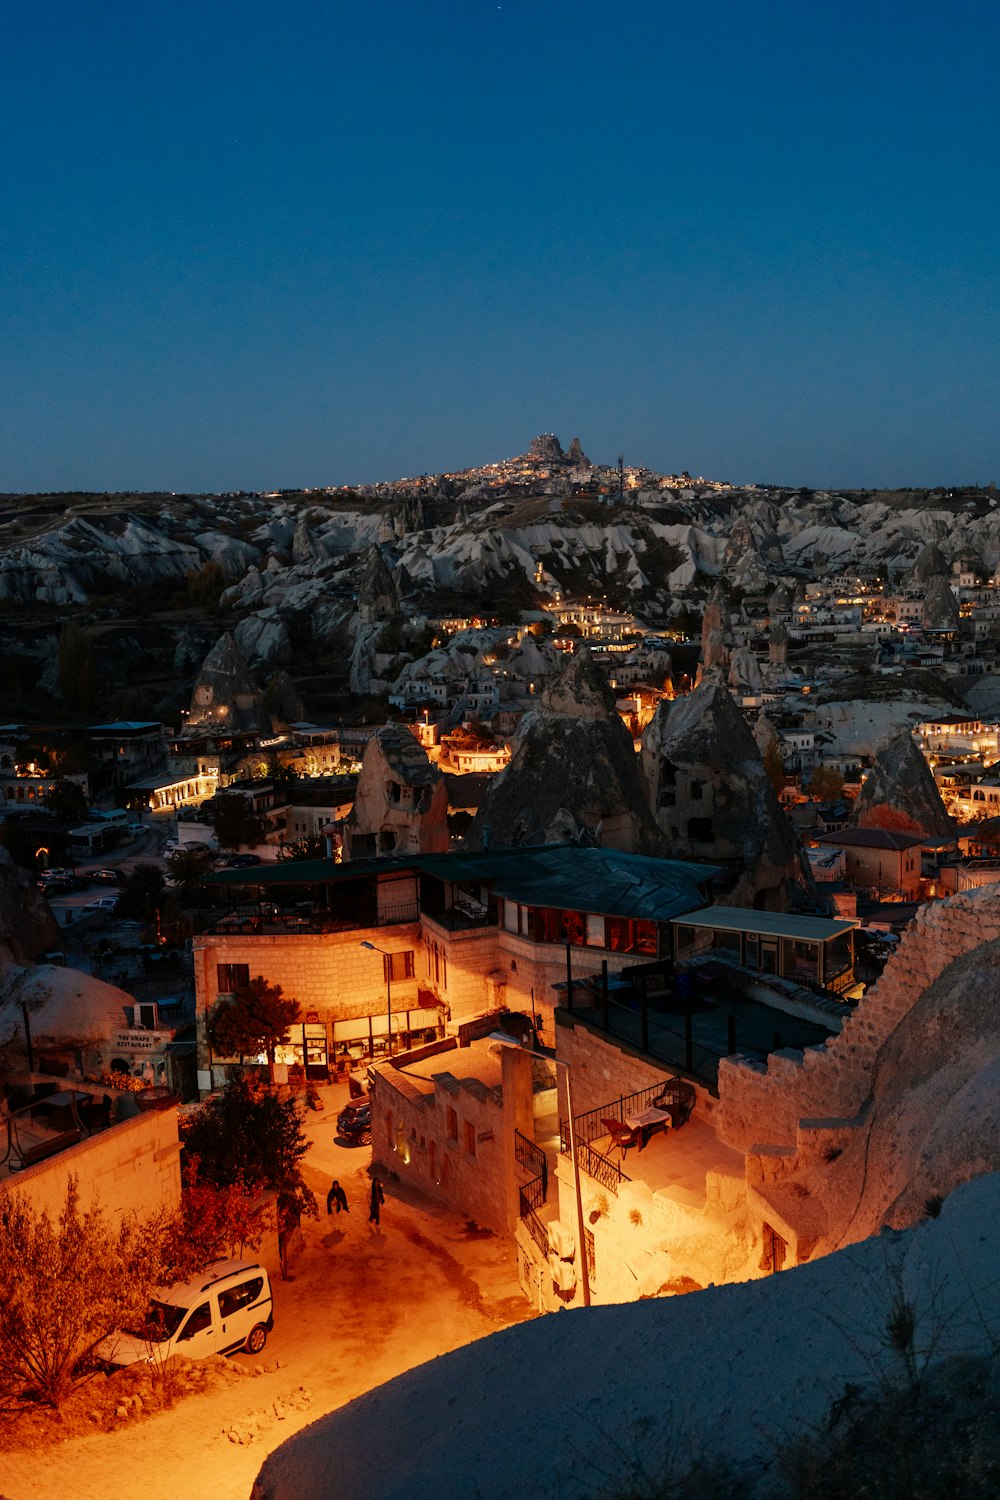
871	838
767	923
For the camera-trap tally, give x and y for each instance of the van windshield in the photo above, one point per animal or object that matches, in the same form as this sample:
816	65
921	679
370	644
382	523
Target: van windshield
160	1323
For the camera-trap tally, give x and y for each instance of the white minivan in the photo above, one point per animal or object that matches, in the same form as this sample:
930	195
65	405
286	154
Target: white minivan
224	1308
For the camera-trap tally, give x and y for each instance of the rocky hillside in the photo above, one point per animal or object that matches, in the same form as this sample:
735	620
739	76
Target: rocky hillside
156	578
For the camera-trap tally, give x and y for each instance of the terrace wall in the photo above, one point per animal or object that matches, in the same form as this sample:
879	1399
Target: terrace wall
133	1167
762	1104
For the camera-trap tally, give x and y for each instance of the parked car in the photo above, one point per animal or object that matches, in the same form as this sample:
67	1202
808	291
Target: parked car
243	861
136	830
103	903
226	1307
355	1120
106	877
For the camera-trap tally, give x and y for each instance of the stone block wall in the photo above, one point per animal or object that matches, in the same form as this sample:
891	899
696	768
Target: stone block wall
413	1137
329	973
762	1104
133	1167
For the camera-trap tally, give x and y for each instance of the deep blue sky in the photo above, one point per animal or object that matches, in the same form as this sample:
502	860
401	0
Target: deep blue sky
249	244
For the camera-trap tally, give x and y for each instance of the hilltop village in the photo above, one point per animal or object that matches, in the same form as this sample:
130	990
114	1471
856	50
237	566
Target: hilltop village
627	843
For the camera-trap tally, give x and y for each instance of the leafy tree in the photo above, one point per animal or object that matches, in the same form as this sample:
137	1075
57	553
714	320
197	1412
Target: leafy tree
187	866
205	585
774	765
313	846
825	783
67	801
255	1020
214	1220
248	1135
236	825
142	893
64	1287
76	667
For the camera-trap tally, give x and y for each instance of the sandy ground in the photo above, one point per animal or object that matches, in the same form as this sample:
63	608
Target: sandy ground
363	1307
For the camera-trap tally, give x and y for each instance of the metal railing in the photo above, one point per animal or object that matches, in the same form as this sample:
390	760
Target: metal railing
530	1156
608	1173
536	1228
590	1126
533	1193
255	921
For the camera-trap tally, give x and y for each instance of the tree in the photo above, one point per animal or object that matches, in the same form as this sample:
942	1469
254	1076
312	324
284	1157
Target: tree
66	1286
249	1135
187	867
774	765
313	846
142	893
76	667
825	783
67	801
236	825
214	1220
255	1020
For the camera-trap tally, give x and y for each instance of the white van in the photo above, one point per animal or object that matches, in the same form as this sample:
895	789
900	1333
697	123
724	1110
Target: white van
224	1308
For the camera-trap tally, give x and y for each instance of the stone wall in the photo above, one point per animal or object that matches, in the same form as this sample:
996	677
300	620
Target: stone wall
133	1167
329	973
459	1163
763	1104
605	1069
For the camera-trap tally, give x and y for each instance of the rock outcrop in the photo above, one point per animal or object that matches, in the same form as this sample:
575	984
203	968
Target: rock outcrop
716	636
940	610
930	563
572	774
401	803
900	793
225	694
547	448
27	927
378	600
709	793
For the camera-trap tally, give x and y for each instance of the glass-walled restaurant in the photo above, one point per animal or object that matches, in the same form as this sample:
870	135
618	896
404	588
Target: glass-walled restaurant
547	924
812	950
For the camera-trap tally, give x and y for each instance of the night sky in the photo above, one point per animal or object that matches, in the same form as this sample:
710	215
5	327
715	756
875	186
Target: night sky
246	245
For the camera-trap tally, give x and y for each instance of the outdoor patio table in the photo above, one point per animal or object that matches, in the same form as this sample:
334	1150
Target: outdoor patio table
648	1121
60	1104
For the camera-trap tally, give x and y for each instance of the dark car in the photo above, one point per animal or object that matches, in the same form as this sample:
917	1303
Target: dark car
243	861
355	1121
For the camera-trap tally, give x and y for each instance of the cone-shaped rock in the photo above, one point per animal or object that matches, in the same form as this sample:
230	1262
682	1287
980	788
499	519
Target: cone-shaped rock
716	635
900	793
377	597
710	795
225	694
940	611
573	773
930	563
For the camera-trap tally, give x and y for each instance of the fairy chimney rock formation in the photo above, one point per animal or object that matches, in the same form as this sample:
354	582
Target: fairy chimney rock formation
716	636
377	597
401	803
573	774
930	563
225	695
900	793
711	797
940	610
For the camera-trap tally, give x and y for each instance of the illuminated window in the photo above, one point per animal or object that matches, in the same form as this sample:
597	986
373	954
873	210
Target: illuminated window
399	965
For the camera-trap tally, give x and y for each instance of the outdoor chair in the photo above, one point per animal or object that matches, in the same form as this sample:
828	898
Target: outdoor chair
678	1099
621	1135
96	1113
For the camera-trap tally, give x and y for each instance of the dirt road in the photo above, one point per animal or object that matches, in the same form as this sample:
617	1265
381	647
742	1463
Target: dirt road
362	1308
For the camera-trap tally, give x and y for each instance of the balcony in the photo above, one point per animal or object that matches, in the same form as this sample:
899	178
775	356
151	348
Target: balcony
267	920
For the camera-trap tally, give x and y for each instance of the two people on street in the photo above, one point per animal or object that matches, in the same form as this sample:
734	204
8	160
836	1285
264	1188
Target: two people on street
336	1199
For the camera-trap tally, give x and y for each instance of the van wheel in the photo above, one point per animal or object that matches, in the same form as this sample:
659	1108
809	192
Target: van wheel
256	1339
365	1138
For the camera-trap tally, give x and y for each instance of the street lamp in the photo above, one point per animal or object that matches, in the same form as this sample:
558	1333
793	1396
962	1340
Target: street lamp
387	964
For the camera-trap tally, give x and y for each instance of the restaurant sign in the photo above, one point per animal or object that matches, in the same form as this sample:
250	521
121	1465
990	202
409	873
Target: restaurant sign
135	1039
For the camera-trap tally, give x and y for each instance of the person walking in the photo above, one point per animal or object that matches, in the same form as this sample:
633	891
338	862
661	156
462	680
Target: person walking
337	1196
377	1199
